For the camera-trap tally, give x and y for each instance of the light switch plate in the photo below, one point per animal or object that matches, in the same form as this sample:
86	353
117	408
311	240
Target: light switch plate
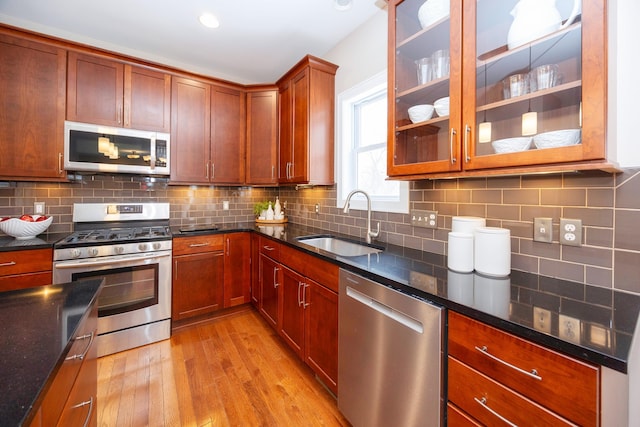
38	208
542	230
426	219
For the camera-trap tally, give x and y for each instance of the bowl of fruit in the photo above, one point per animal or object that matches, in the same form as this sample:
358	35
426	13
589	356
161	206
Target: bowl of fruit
26	226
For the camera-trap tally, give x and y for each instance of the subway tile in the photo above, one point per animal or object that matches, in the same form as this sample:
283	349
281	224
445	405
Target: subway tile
625	268
425	184
603	197
589	179
503	182
472	183
458	196
588	255
596	217
627	230
539	249
524	263
563	197
528	213
542	181
472	210
434	195
486	196
445	184
562	270
450	209
521	197
594	236
504	212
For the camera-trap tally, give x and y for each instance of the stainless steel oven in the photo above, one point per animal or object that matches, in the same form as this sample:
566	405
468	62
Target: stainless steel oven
134	258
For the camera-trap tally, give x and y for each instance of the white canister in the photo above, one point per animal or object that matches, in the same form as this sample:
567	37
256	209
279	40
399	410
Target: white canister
492	251
467	224
460	252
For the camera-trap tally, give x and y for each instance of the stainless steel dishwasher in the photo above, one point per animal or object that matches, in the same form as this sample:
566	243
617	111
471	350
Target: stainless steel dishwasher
389	356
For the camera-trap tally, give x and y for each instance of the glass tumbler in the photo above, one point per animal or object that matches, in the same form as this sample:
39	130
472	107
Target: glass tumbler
440	60
424	70
546	76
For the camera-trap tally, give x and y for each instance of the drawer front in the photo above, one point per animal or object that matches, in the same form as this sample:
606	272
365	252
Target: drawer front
270	248
565	385
27	261
492	403
22	281
457	418
198	244
310	266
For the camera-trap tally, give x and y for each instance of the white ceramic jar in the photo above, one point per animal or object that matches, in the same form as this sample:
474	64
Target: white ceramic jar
492	251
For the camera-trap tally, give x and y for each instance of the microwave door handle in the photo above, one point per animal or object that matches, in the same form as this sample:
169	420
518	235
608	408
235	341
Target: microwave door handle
152	160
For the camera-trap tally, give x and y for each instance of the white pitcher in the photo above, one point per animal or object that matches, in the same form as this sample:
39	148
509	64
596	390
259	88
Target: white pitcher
533	19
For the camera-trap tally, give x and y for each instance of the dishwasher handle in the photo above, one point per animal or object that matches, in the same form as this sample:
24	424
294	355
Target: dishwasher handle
384	309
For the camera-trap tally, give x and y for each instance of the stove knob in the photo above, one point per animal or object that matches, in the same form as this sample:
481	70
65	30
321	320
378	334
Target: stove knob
157	246
75	253
143	247
93	251
118	250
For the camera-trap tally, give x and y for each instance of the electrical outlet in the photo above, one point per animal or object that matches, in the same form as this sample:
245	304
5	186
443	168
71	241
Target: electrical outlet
542	320
426	219
542	230
38	208
569	328
571	232
225	205
317	208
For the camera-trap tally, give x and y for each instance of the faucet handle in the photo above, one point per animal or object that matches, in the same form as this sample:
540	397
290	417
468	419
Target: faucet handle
375	233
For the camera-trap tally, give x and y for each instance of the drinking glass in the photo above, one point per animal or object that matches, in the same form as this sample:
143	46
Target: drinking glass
424	70
440	62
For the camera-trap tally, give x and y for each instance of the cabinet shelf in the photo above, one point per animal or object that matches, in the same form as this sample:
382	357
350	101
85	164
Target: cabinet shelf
427	125
574	86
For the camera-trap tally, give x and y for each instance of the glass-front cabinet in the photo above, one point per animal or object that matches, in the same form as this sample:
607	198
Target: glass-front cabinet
495	85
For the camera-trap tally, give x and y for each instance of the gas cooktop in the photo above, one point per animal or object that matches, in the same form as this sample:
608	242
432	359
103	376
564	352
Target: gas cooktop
116	235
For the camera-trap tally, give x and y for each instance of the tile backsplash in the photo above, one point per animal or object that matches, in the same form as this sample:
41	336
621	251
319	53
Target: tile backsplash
608	205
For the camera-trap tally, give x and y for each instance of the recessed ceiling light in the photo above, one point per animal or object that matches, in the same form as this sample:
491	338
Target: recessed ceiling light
209	20
342	4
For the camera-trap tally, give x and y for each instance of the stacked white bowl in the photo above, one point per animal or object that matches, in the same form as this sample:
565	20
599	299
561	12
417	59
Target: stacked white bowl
420	113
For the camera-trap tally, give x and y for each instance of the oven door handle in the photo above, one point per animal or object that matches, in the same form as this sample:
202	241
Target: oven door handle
107	260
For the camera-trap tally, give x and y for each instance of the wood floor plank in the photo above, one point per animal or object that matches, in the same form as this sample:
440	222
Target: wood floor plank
229	371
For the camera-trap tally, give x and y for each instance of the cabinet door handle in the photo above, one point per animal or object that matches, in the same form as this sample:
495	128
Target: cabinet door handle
8	264
305	304
467	132
483	403
300	285
120	115
533	374
213	170
198	245
89	413
228	245
451	138
206	170
60	170
273	171
82	355
275	278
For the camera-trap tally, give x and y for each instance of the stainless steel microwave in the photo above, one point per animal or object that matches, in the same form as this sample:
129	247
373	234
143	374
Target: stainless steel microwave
96	148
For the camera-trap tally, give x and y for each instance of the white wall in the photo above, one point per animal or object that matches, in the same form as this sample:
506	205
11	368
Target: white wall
361	54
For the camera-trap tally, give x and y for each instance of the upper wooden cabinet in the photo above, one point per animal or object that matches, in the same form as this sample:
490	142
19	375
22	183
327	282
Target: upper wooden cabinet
107	92
32	84
262	137
495	87
207	133
306	105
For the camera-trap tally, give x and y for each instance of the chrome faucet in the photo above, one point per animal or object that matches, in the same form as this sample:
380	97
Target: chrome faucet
370	233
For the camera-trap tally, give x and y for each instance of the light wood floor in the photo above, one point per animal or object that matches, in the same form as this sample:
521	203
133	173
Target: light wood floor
230	371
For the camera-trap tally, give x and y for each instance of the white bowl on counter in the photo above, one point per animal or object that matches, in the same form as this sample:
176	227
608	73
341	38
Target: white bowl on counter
420	113
557	138
23	230
442	106
512	145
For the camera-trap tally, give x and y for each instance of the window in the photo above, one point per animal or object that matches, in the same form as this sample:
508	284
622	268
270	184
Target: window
362	148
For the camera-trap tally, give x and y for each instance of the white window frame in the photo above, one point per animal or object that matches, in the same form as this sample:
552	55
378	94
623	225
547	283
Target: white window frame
345	184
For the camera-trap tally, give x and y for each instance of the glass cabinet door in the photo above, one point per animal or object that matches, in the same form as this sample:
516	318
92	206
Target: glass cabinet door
537	72
424	87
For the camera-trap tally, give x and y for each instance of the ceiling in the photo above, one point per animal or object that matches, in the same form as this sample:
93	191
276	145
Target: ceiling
257	41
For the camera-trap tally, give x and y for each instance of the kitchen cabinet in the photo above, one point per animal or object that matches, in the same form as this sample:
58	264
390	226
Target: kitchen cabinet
207	133
237	269
262	138
108	92
25	269
306	102
198	276
33	86
309	312
270	280
71	398
494	374
483	95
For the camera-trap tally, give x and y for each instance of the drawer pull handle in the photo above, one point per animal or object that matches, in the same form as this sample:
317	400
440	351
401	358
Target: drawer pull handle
8	264
533	374
198	245
86	350
483	403
268	248
80	405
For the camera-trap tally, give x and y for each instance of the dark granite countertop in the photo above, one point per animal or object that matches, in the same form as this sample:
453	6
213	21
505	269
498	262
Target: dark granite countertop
43	241
35	327
599	323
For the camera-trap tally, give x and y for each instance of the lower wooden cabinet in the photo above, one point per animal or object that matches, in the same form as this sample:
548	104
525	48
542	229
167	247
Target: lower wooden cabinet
237	269
270	279
198	276
25	269
493	376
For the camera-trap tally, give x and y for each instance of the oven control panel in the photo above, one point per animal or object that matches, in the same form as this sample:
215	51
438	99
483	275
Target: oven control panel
84	252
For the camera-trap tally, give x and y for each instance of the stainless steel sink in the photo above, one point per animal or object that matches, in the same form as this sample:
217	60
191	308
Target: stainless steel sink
338	246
